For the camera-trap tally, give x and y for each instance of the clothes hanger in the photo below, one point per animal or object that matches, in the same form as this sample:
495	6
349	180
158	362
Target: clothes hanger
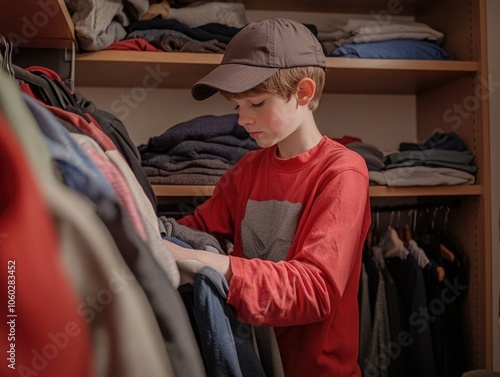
39	86
446	253
67	92
6	55
390	243
399	229
420	256
440	271
61	95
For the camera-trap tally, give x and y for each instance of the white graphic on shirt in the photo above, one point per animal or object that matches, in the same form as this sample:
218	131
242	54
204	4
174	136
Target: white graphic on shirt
268	229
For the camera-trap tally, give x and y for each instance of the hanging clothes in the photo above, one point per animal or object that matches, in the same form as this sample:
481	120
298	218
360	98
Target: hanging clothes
34	332
427	269
125	337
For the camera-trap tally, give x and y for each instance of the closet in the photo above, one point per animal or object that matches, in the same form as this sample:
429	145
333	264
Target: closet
449	96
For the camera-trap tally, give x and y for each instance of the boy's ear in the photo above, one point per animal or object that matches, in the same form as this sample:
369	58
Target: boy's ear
305	92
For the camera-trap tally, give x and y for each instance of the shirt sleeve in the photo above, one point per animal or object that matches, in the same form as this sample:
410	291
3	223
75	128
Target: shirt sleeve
308	286
214	215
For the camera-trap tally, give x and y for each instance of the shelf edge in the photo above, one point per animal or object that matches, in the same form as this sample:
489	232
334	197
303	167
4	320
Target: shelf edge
375	191
333	63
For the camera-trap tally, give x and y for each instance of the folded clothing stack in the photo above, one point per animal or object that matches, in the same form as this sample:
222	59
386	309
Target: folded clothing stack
196	152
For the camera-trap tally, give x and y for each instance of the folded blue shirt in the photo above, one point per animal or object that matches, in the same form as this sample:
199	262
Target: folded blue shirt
393	49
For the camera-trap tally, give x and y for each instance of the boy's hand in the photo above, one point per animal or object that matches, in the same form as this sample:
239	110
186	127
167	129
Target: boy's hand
218	262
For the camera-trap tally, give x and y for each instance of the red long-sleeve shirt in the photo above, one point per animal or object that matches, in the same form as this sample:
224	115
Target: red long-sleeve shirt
298	226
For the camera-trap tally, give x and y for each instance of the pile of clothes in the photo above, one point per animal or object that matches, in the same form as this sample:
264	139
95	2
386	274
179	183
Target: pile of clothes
196	152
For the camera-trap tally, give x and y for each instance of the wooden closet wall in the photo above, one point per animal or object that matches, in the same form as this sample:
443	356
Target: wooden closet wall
449	95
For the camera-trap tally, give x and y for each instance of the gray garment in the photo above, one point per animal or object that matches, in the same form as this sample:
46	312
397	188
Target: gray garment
90	41
421	176
155	172
437	155
196	149
98	23
367	148
209	164
365	330
161	170
126	337
186	179
369	152
229	14
370	159
162	254
269	353
470	169
200	128
195	238
181	44
381	330
433	158
341	32
14	108
157	161
151	35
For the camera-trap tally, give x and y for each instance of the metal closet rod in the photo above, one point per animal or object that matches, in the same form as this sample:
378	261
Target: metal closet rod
449	204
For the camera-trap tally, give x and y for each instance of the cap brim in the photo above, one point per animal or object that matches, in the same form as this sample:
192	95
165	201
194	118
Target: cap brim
232	78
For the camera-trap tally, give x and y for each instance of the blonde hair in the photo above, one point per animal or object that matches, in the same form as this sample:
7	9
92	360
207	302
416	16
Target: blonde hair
284	83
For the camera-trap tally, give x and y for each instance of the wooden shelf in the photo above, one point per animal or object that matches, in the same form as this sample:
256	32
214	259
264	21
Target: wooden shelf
383	76
178	70
36	24
375	191
387	192
174	70
183	190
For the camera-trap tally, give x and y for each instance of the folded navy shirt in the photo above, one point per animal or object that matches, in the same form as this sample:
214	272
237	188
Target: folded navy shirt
393	49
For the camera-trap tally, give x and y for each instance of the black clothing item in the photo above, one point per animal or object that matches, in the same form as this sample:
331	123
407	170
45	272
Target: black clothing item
396	313
220	32
447	141
410	282
373	277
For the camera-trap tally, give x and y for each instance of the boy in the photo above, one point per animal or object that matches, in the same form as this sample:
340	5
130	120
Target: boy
297	210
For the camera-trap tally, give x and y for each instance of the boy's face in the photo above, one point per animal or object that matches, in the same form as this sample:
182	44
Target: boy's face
268	118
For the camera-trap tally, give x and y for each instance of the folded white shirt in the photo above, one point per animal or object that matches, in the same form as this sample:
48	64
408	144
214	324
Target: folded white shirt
361	30
421	176
229	14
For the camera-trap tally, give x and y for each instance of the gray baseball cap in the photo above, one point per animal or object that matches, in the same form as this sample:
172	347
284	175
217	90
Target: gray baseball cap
256	52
